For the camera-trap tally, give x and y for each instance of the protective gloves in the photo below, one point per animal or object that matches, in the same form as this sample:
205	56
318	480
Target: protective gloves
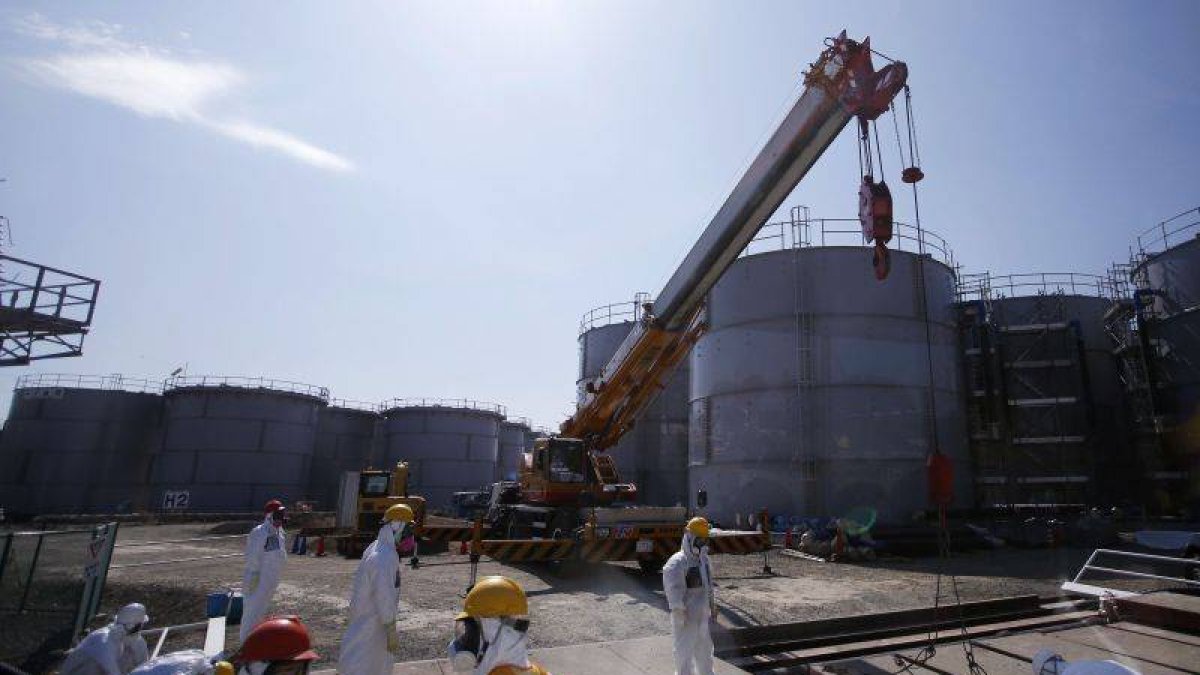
393	638
252	584
678	617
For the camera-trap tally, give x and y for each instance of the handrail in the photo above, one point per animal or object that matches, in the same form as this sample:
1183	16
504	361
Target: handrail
1162	232
239	382
519	420
804	232
63	295
115	382
350	404
986	285
458	403
1075	585
617	312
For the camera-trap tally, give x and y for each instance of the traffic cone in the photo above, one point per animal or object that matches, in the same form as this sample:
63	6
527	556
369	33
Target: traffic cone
462	549
320	547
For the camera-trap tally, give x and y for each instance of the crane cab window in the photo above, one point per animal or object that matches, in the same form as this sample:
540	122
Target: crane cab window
374	486
567	463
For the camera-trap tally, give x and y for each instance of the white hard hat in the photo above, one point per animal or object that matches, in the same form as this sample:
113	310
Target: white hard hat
132	614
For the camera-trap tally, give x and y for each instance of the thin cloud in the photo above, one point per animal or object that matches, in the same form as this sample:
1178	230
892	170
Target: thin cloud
151	82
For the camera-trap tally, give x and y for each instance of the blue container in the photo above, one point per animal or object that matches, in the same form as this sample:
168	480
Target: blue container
219	605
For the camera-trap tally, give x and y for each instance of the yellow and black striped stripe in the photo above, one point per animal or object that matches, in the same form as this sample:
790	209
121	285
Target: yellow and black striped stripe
526	550
445	533
739	544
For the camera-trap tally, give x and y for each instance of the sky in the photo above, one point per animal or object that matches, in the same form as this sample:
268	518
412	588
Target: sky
397	199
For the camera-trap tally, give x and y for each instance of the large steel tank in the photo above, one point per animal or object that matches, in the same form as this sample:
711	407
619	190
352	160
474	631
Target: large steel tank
653	454
78	444
1167	275
345	439
1061	439
233	443
810	392
514	435
450	445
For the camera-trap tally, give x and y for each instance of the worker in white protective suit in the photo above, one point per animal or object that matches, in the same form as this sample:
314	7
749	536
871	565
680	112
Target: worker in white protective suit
1046	662
371	644
114	649
687	583
265	557
491	633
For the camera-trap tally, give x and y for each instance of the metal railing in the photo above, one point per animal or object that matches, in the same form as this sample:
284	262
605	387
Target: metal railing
1170	232
617	312
233	381
520	420
988	286
50	294
115	382
51	583
457	403
350	404
1076	586
804	232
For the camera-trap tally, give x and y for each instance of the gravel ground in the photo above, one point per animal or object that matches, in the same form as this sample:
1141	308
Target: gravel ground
601	602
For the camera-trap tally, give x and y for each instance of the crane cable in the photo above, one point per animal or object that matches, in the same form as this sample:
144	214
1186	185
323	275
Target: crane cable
929	650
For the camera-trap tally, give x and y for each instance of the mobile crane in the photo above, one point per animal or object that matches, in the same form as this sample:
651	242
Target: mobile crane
566	480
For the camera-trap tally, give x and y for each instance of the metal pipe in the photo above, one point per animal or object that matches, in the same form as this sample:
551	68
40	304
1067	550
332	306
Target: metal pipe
171	562
1142	556
1143	575
37	552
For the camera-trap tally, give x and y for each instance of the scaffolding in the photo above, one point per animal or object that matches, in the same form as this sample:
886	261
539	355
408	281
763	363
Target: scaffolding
1030	413
44	312
1156	346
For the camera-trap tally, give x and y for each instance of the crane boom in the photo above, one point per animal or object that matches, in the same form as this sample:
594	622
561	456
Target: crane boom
841	84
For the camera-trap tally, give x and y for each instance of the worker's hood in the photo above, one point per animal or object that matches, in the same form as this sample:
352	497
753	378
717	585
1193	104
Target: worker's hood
506	646
688	547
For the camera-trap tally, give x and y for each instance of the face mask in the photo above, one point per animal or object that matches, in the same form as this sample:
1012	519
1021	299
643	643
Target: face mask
465	647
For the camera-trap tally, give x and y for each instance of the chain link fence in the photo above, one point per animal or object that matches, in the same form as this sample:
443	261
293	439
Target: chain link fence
50	587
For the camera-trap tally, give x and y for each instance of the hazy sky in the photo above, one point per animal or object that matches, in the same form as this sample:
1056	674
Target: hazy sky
421	199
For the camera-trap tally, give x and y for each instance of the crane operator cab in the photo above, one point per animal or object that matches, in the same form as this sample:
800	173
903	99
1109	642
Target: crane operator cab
562	471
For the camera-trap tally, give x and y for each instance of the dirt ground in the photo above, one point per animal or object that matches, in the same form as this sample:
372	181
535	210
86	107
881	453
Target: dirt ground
601	602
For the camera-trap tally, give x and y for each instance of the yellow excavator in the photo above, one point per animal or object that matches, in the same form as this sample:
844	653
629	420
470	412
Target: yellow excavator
365	495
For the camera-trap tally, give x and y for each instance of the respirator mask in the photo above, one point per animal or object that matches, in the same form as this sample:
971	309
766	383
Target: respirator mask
468	647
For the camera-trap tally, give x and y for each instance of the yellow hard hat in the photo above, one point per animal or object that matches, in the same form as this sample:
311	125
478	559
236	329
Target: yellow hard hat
494	597
698	527
223	668
400	512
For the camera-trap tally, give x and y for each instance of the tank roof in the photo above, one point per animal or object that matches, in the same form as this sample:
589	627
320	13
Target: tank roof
617	312
350	404
986	285
802	231
114	382
222	382
452	403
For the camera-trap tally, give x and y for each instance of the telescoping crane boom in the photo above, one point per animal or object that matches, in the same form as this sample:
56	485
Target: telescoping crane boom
840	86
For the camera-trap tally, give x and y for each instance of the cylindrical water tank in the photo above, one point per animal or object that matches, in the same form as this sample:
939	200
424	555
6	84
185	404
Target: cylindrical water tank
810	391
78	444
653	454
513	439
345	437
1056	432
232	444
450	445
1173	278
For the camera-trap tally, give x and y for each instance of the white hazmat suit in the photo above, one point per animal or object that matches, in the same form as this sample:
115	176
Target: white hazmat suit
374	600
265	557
188	662
110	650
687	583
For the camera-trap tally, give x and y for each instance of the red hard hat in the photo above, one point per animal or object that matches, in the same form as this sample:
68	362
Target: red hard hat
273	506
281	638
